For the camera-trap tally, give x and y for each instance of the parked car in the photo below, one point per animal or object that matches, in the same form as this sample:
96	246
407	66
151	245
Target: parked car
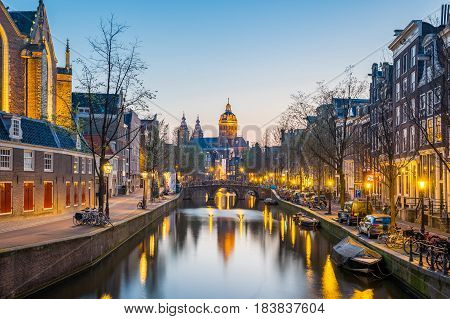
354	211
319	203
374	224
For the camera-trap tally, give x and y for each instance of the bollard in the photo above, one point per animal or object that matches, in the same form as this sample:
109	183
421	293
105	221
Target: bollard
432	258
420	254
410	250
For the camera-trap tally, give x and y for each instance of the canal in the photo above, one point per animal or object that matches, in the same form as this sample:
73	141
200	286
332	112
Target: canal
223	249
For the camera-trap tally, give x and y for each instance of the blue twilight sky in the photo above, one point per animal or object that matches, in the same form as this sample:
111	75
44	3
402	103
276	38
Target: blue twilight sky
257	52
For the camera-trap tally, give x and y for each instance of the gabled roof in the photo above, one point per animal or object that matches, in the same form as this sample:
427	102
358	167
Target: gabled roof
23	20
97	101
40	133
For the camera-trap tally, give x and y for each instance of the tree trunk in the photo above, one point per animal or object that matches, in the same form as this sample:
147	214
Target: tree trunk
342	189
101	187
392	206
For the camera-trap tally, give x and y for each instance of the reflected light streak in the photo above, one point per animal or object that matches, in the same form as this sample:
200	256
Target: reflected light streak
152	245
241	224
293	232
365	294
106	296
143	268
282	224
309	271
270	223
165	227
330	285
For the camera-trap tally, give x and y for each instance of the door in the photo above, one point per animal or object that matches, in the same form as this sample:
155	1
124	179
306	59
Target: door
5	198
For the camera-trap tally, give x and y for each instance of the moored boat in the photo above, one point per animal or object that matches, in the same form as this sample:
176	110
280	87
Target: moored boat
270	201
306	221
354	256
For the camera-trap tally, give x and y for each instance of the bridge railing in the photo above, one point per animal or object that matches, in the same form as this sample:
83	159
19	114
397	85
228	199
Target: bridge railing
220	183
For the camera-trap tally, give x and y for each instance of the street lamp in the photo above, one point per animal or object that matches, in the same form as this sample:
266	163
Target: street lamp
330	184
144	175
107	169
368	186
422	185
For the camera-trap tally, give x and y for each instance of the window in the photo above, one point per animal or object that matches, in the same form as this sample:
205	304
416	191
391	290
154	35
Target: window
89	166
405	139
15	130
397	115
48	195
413	81
405	86
405	63
429	102
405	112
5	159
413	56
75	193
83	166
412	137
83	193
423	138
67	194
28	161
397	68
28	196
430	134
397	142
48	162
423	102
5	198
412	109
437	95
438	129
397	91
75	165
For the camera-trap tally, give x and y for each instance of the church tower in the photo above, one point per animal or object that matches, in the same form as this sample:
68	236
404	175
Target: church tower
183	132
228	123
198	132
64	92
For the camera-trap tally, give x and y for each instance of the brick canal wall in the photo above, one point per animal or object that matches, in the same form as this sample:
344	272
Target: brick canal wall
26	270
421	281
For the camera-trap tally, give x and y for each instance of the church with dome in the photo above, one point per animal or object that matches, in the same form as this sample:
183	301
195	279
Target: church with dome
223	153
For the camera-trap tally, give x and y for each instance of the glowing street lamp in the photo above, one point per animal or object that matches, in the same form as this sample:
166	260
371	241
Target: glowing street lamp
368	186
422	185
107	169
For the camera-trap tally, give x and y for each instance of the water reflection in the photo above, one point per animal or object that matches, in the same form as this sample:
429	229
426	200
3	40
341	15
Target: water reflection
208	252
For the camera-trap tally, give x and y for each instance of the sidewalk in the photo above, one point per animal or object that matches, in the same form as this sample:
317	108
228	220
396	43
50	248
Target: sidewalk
33	230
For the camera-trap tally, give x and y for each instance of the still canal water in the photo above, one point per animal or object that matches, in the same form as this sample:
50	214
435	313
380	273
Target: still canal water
225	249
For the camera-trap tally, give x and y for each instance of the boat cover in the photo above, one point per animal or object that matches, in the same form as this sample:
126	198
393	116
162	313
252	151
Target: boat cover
350	249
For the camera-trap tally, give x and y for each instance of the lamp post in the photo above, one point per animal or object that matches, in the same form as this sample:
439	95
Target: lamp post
330	184
107	169
368	186
144	175
422	185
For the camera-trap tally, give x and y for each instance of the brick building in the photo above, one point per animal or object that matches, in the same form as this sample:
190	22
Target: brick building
29	76
47	168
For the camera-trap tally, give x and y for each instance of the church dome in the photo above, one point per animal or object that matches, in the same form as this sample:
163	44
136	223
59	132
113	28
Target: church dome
228	123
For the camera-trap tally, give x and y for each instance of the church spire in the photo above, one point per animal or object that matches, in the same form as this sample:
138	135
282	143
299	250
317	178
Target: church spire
228	106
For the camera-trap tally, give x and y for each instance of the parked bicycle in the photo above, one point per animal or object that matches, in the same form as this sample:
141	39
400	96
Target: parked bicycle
91	217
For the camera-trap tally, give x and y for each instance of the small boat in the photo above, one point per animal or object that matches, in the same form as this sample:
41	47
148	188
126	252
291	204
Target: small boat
270	201
306	221
354	256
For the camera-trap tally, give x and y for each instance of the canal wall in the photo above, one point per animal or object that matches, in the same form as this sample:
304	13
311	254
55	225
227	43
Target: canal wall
28	269
419	280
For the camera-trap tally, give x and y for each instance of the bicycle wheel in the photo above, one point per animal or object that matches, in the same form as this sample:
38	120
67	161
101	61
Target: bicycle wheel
415	246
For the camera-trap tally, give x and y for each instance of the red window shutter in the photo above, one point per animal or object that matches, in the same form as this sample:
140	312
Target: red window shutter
48	195
8	198
28	203
67	194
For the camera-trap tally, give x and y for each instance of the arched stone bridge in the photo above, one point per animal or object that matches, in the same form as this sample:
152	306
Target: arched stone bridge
211	188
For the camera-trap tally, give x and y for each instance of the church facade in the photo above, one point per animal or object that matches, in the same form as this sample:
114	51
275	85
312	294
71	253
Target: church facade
223	153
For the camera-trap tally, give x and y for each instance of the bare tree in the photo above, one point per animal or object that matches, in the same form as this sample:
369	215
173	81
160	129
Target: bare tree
112	85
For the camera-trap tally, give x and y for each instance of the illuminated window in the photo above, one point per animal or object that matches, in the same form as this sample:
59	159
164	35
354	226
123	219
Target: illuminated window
438	129
28	161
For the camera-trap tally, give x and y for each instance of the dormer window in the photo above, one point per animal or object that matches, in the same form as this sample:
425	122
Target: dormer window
15	131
